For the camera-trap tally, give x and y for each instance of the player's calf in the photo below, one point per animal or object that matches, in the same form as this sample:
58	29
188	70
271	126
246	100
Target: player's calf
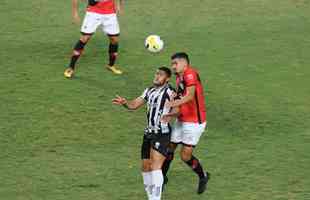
113	53
147	177
157	160
195	165
113	50
77	52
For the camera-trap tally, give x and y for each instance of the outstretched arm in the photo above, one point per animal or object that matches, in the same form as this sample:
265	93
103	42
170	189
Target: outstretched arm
130	105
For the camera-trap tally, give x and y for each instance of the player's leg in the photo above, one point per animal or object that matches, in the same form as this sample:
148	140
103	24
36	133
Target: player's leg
89	26
176	138
113	49
147	176
158	154
110	26
168	160
77	52
146	166
190	138
188	157
157	160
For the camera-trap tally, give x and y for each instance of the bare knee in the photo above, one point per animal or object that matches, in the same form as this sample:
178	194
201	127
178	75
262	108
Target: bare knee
172	147
85	38
114	39
186	155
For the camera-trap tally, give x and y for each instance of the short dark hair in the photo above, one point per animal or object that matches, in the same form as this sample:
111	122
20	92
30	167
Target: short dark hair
180	55
166	70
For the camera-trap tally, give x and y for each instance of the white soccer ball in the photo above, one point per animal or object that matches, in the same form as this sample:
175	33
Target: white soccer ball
153	43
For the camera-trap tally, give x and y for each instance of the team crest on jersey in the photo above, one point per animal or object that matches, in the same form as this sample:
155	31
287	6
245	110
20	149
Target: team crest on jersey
190	76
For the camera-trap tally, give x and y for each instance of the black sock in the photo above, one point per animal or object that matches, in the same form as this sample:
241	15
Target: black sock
196	166
167	163
113	49
77	51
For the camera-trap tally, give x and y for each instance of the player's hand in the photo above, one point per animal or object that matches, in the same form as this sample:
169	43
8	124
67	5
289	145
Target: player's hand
174	95
166	119
76	18
170	104
119	10
118	100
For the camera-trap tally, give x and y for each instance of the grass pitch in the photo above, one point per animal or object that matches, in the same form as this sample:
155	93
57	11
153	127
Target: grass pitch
62	139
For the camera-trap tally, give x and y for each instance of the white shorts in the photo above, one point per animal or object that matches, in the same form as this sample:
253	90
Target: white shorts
108	23
187	133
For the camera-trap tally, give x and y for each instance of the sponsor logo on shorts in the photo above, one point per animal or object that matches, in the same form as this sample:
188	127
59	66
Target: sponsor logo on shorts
157	144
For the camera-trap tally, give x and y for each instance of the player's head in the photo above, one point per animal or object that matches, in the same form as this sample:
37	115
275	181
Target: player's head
162	76
179	61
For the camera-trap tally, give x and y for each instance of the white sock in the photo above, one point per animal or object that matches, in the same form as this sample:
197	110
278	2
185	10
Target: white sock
147	181
157	183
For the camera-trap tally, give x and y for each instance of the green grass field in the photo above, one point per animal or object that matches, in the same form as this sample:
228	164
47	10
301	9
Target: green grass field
63	140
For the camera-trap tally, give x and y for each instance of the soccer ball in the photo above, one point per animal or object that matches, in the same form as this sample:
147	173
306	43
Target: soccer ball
153	43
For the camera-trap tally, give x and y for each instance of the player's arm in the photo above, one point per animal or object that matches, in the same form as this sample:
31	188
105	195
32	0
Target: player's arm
120	6
174	112
190	94
130	105
171	115
75	12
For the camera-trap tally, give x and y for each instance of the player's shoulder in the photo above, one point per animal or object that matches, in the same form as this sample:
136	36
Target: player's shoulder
170	88
148	89
171	91
191	73
146	93
190	70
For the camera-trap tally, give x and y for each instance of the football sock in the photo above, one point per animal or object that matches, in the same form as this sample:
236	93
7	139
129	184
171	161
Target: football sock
77	51
196	166
113	49
147	181
157	183
167	163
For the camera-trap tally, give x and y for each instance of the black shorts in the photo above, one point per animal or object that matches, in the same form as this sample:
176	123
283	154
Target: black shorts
159	142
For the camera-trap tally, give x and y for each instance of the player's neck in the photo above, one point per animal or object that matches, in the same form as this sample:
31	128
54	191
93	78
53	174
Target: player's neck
185	68
160	86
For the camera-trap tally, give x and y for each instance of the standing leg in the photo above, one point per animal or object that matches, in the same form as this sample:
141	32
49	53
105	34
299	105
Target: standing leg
147	177
113	49
195	165
157	160
77	52
89	26
146	166
168	160
113	53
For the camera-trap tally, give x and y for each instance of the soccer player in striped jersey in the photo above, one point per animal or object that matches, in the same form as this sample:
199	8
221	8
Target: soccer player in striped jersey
101	13
157	133
191	121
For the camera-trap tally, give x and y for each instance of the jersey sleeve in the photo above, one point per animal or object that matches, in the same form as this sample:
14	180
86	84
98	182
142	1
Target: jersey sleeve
190	79
144	95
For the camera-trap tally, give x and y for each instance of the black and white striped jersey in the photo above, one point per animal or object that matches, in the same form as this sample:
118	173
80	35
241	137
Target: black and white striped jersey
156	99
